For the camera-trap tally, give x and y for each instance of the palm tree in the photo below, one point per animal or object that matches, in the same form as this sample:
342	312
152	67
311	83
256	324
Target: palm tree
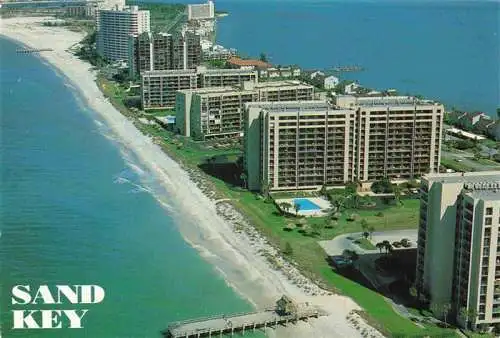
364	224
366	234
389	248
371	230
323	190
413	291
464	314
472	315
264	187
380	246
386	244
397	194
297	208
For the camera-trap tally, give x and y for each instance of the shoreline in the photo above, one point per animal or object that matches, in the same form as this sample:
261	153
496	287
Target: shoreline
216	230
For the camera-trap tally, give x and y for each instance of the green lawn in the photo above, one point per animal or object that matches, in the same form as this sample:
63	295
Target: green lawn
452	164
486	161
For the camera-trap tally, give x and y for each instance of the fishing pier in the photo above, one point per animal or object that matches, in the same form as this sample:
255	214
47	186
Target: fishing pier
215	326
31	50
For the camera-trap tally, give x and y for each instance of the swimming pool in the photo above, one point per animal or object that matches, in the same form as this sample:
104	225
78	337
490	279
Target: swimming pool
305	204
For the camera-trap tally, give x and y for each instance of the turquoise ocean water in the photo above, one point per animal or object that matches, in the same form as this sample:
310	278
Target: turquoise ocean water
75	209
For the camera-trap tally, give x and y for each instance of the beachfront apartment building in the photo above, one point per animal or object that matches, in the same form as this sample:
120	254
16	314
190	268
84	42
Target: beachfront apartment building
225	77
396	136
458	255
218	111
114	27
158	87
163	84
162	51
298	145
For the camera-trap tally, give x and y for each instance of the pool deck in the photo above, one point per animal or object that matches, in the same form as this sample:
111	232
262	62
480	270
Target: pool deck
320	202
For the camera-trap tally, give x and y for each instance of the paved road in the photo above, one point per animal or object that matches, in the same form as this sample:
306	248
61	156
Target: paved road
467	159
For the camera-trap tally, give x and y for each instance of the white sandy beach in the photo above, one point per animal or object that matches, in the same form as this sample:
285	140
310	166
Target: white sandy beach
207	226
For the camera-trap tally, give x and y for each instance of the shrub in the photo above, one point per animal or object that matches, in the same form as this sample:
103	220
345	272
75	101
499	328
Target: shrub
352	217
288	249
379	214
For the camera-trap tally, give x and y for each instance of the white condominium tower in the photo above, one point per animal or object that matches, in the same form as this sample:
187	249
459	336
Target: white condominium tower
114	28
458	255
201	11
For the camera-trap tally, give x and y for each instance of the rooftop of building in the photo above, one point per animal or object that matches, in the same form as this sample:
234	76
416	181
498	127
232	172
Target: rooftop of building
279	84
384	100
248	63
467	177
291	106
124	9
485	195
209	90
205	70
170	72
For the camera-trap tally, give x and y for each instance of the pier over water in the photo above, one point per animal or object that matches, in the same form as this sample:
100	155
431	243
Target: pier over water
284	313
31	50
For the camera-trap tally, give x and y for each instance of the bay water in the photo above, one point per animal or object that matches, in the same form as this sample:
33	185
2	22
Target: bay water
446	50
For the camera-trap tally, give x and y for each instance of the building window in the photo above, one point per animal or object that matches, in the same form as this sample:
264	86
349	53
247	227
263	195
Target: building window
488	221
489	211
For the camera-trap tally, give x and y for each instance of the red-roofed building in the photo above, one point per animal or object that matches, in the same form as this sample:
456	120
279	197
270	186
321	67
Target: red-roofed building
237	62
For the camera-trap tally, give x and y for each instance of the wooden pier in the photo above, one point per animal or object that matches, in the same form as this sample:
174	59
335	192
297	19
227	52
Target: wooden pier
244	322
30	50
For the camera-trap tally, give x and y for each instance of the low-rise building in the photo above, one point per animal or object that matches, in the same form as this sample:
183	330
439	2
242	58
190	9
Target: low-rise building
218	111
239	63
330	82
458	263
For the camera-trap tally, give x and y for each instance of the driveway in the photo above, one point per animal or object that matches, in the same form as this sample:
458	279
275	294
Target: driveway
337	245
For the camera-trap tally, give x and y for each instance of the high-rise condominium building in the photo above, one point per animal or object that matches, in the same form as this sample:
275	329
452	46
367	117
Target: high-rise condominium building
162	84
201	11
298	145
218	111
162	51
158	87
114	28
396	136
458	256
